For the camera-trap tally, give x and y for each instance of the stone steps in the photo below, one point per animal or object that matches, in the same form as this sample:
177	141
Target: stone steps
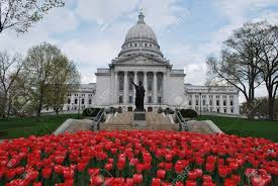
123	121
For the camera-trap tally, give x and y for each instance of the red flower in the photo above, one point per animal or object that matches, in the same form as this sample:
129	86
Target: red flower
161	174
46	172
137	178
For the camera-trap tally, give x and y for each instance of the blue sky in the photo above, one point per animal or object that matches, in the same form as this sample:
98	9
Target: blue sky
91	32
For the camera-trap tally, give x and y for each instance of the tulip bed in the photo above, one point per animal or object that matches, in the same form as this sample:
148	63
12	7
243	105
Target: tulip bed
138	158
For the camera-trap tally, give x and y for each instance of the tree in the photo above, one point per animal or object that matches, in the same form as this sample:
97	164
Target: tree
48	75
39	71
268	66
10	67
19	15
238	63
67	77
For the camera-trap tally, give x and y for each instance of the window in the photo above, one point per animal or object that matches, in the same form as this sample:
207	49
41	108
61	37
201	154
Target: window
120	99
225	110
190	102
196	96
211	96
130	99
203	96
217	102
150	99
75	101
218	110
82	101
210	102
224	102
68	101
217	96
68	108
231	103
204	102
135	44
197	102
232	110
90	101
159	99
224	97
231	97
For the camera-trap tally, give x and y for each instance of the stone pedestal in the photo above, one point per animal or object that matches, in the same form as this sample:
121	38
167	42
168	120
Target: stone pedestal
139	119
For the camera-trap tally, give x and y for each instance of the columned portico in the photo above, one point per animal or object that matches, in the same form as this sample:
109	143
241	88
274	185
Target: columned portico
153	91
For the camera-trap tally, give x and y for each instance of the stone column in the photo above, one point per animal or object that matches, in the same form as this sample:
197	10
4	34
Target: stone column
193	101
145	86
155	88
136	82
125	87
214	103
116	88
164	88
221	104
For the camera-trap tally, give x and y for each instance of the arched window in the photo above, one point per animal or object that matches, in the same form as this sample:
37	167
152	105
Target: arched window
75	101
68	101
217	102
82	101
90	101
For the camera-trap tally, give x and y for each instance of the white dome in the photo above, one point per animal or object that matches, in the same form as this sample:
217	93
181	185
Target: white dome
141	30
140	39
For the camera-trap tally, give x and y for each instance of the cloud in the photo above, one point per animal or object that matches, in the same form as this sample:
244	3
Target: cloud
59	20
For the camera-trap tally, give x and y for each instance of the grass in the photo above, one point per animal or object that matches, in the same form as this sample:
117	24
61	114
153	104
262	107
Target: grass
24	127
246	127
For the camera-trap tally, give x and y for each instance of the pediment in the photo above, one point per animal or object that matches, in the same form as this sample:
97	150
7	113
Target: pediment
140	60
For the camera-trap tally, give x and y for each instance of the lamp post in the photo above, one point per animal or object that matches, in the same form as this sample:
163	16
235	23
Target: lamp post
78	106
200	104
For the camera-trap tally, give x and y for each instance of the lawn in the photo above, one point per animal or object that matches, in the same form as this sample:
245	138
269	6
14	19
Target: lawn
245	127
24	127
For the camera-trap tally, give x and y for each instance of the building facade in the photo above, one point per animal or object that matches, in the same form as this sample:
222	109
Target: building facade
140	59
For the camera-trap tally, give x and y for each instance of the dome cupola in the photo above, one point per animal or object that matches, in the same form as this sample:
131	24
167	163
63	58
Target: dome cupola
140	39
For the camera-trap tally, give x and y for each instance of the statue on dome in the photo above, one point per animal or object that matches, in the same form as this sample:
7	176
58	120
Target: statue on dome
140	94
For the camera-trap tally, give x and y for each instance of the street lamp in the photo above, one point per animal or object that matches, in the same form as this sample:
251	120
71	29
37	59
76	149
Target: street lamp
78	105
200	104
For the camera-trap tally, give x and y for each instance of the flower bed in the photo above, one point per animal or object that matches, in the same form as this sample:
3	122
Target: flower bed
138	158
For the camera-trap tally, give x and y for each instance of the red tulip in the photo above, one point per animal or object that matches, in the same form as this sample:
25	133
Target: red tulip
46	172
137	178
161	173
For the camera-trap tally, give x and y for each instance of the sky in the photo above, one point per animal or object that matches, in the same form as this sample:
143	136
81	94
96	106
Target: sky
91	32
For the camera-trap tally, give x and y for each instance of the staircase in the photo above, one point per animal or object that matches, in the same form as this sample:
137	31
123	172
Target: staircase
123	121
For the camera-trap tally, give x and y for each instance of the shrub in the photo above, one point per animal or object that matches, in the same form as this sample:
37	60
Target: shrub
90	112
120	110
169	111
188	113
160	110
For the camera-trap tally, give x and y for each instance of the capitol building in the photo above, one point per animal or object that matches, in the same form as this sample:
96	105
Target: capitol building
141	59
